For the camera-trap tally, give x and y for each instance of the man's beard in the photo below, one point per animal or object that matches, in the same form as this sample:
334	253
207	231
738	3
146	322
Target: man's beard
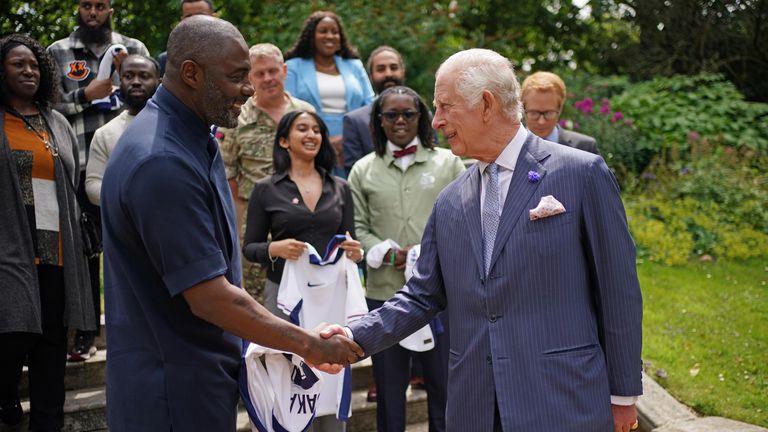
94	36
382	85
218	110
134	103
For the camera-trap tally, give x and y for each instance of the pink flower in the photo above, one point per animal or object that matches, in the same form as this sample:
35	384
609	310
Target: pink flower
585	105
628	122
617	116
693	136
605	109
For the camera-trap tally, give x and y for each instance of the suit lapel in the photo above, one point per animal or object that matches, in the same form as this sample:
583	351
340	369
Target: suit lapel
470	203
309	75
520	191
345	71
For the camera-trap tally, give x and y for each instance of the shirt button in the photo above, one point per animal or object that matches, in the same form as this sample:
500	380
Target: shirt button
492	318
489	360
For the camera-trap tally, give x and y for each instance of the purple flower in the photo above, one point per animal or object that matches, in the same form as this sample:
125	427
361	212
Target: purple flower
586	105
684	171
617	116
605	109
533	177
648	176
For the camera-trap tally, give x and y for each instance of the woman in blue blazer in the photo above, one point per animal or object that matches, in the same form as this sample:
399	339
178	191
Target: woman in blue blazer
326	71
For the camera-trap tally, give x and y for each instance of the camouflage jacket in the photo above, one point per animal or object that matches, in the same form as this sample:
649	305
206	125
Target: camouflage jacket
247	149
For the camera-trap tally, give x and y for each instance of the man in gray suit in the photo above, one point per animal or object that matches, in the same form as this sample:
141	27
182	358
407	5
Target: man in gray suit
530	255
386	69
543	97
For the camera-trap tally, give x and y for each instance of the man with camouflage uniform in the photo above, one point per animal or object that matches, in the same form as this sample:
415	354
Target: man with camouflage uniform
247	149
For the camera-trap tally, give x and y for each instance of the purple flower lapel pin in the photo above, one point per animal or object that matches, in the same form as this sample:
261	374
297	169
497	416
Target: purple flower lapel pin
533	177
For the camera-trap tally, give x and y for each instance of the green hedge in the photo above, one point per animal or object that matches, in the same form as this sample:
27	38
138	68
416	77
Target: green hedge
669	111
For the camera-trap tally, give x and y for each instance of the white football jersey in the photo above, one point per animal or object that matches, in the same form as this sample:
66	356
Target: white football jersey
423	339
279	390
328	289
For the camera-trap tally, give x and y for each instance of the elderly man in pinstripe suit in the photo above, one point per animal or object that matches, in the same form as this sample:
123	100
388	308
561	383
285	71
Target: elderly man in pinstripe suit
530	254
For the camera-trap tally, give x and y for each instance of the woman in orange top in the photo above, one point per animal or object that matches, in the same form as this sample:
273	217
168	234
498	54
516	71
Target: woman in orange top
44	282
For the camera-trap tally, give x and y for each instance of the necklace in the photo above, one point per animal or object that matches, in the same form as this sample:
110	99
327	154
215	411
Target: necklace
326	68
39	130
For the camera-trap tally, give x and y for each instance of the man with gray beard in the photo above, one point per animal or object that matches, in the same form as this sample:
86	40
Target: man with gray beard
175	312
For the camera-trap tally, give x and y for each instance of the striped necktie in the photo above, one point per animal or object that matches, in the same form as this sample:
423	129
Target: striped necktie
490	214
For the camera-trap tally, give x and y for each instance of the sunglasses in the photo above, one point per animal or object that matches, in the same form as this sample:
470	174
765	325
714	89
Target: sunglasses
392	116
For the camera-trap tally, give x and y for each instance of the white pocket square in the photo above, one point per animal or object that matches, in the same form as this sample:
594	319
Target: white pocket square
548	206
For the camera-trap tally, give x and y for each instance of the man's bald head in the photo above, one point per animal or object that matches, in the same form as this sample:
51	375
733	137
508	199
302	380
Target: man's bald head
208	69
200	38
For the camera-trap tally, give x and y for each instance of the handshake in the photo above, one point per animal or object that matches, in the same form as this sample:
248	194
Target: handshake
330	350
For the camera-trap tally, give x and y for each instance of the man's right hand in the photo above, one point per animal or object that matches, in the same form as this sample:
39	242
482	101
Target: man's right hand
331	354
98	89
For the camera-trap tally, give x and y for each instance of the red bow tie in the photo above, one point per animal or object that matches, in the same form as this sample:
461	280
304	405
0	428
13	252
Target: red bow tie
406	151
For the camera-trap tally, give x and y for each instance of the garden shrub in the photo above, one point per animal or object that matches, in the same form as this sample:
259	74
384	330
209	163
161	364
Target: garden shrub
617	137
711	204
667	110
658	237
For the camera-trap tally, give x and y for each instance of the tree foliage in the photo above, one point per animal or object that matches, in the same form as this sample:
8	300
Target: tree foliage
689	37
640	38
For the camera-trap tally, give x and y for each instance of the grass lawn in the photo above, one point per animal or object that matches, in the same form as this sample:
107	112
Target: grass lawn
706	326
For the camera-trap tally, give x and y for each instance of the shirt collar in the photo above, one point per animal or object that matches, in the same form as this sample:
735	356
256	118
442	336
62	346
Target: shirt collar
508	157
278	177
170	103
391	147
421	154
554	135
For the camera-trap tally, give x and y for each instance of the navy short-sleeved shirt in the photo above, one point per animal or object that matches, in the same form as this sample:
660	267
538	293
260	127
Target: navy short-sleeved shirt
169	224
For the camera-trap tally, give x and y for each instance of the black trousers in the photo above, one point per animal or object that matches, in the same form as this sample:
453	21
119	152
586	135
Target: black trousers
45	354
392	371
94	264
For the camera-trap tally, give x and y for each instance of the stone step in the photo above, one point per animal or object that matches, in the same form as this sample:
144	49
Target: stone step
91	374
85	410
80	375
364	413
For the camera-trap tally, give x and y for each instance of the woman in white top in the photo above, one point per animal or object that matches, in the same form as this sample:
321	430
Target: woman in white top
326	71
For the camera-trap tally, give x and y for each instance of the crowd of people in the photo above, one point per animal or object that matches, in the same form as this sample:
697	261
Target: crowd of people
217	167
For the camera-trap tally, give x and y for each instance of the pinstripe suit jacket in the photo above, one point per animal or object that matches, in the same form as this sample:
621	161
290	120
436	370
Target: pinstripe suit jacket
555	328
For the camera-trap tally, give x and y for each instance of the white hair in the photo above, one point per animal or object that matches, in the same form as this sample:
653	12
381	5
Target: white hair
482	69
266	50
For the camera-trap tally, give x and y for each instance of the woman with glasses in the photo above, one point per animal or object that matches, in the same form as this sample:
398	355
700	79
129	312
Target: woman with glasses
44	280
394	189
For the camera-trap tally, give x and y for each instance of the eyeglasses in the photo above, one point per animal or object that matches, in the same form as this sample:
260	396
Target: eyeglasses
392	116
535	115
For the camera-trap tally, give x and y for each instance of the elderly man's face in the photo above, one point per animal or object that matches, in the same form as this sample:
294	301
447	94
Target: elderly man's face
226	86
542	111
267	77
461	124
